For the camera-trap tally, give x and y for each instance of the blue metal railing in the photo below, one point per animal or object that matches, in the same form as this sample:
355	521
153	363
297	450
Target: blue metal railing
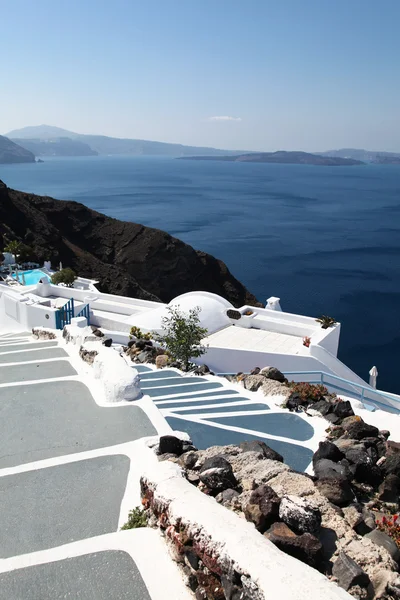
361	392
65	314
85	312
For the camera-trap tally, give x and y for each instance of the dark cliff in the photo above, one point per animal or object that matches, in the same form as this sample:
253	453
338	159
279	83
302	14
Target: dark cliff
13	153
61	146
127	258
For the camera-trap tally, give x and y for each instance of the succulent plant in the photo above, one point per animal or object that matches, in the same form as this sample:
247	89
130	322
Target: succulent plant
326	321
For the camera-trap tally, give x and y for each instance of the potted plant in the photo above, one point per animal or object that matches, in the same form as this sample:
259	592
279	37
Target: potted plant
326	321
306	341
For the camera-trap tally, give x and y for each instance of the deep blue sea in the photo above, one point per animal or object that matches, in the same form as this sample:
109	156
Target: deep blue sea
323	239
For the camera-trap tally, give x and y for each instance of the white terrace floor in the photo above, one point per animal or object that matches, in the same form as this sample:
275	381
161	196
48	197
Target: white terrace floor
70	466
69	470
255	339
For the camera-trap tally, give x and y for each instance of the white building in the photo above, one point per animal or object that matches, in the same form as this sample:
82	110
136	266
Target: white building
238	339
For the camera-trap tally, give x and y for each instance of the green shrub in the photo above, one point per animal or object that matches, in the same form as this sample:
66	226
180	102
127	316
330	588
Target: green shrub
326	321
138	333
66	276
182	335
308	391
136	518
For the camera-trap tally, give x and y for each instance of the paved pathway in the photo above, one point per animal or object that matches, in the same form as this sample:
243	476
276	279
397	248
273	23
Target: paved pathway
213	413
65	469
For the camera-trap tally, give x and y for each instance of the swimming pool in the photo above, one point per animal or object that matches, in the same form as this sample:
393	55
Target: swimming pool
31	277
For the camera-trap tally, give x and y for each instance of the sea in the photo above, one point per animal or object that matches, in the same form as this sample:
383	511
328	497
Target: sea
326	240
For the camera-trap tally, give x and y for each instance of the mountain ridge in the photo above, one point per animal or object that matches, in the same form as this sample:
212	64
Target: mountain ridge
105	145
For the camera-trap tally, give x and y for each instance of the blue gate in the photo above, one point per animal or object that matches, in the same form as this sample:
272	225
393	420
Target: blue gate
85	312
65	314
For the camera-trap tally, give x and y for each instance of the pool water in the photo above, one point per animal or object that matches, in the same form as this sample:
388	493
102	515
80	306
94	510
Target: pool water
31	277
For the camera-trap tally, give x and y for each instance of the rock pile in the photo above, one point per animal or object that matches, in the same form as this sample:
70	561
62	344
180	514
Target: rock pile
328	521
142	350
41	333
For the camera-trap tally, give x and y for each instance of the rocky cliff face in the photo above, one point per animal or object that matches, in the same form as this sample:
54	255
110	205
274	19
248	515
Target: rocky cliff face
13	153
127	258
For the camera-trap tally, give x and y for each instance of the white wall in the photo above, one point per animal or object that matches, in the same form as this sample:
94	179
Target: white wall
16	313
40	316
231	360
109	323
107	302
327	338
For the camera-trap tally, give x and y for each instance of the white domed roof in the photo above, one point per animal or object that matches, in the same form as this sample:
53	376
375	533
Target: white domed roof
213	308
212	313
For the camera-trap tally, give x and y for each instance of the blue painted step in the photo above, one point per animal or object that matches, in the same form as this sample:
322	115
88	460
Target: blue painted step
141	368
280	424
170	382
219	408
159	374
182	388
199	397
204	436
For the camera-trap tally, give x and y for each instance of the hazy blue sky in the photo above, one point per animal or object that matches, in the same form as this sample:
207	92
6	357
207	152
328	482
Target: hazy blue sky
292	74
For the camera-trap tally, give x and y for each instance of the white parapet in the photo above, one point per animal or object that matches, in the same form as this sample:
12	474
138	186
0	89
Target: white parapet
266	572
273	303
79	322
119	380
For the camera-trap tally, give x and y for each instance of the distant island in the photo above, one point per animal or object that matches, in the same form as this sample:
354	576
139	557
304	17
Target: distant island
14	153
369	156
283	157
387	160
46	140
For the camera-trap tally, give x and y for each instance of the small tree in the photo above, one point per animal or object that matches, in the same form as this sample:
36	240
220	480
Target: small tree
66	276
14	248
182	334
18	249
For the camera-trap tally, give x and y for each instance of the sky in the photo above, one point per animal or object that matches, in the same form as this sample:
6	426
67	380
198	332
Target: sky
238	74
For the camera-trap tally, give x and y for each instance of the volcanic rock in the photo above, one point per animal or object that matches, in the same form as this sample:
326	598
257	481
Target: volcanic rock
349	573
259	446
273	373
126	258
338	491
217	474
300	515
328	450
306	547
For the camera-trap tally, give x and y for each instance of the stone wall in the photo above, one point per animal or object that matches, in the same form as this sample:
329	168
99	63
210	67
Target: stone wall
223	556
211	503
